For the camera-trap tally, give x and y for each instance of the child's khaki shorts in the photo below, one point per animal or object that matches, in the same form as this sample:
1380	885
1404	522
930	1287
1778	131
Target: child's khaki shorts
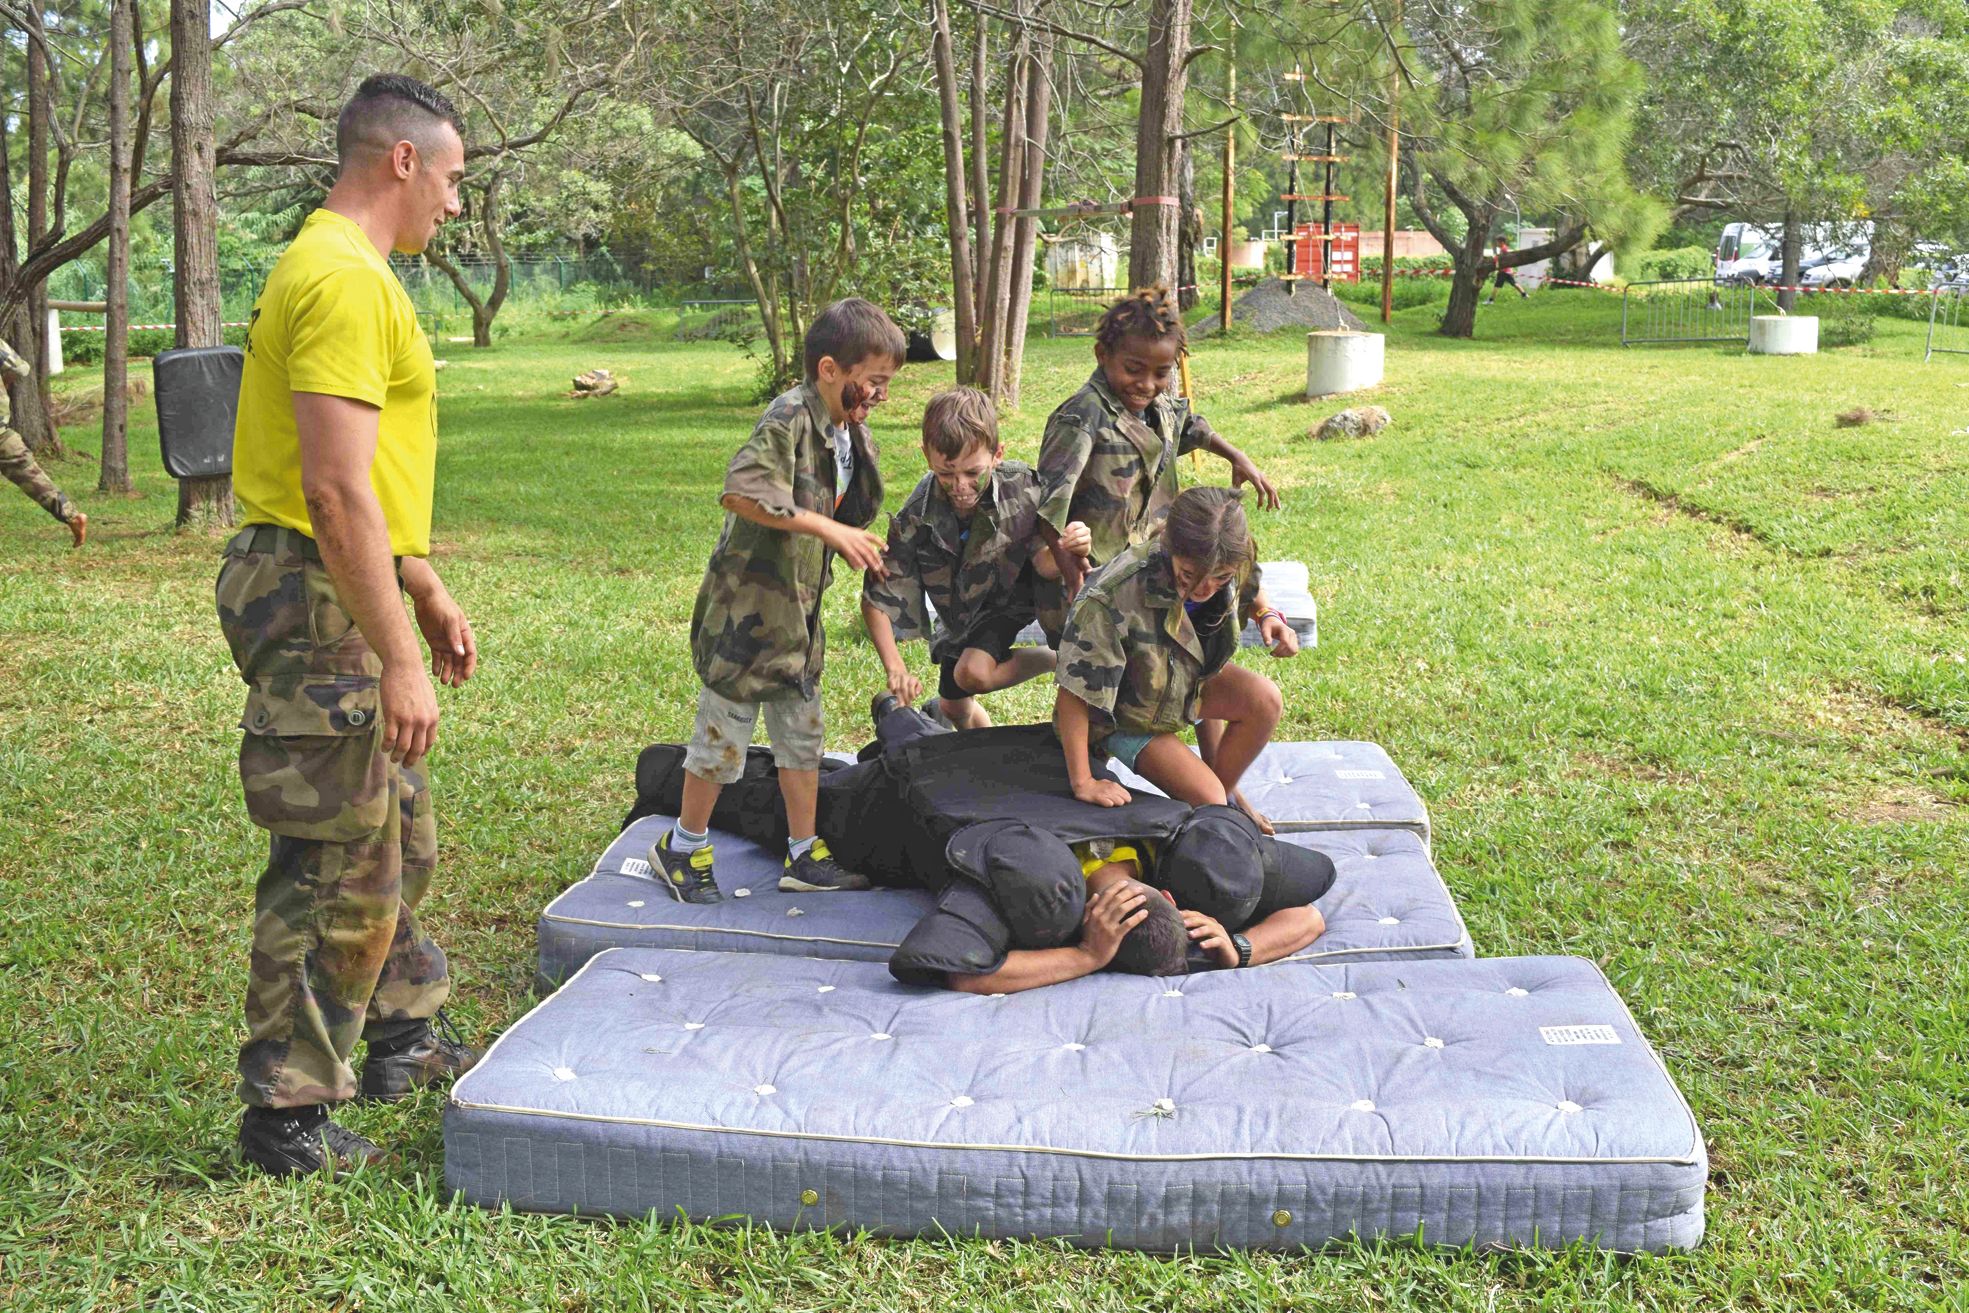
724	730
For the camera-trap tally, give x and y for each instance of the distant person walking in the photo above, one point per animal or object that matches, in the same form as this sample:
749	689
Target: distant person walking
334	455
18	463
1505	278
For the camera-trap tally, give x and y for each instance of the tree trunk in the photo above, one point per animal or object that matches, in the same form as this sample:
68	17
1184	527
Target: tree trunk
980	178
1789	247
33	404
195	220
1152	234
1032	191
116	322
956	210
1189	227
1886	253
1466	283
991	338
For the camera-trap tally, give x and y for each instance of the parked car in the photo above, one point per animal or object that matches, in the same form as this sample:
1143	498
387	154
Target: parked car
1832	269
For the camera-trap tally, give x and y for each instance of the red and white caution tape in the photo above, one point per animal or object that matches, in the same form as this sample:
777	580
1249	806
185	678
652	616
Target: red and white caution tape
104	328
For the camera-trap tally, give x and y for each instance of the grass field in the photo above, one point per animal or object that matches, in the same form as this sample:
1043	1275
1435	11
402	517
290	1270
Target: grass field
1678	666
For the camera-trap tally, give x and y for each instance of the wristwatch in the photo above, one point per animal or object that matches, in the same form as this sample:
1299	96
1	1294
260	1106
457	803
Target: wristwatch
1243	947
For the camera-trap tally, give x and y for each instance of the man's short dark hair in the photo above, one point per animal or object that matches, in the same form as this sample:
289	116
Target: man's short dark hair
1159	946
851	331
388	108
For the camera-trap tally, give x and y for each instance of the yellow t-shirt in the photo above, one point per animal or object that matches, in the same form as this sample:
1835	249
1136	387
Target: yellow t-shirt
334	319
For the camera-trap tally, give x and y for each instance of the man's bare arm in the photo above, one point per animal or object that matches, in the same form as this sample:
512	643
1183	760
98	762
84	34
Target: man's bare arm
338	444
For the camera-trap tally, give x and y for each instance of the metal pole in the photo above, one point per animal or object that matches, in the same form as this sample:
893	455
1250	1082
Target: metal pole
1230	184
1326	216
1292	215
1394	165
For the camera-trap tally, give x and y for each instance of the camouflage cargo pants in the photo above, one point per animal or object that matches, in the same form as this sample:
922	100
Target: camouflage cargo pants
19	465
337	948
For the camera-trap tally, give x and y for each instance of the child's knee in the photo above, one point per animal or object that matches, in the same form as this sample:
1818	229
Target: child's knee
1269	703
974	670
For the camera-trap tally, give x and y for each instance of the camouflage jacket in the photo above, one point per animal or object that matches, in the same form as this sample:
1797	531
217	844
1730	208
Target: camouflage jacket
11	362
966	580
756	632
1135	656
1115	473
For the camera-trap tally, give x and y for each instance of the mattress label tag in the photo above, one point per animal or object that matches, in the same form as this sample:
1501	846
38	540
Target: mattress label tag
1579	1034
1358	775
634	866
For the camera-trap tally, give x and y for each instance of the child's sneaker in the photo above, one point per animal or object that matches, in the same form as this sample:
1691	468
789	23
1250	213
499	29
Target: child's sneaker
686	875
816	872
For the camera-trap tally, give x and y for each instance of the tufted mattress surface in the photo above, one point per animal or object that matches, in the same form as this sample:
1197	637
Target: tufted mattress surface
1341	785
1387	901
1498	1102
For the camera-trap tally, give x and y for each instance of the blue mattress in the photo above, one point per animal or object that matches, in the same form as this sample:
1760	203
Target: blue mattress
1387	901
1500	1102
1340	785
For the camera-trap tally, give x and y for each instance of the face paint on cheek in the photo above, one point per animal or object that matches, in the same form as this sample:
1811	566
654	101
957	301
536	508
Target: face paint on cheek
853	396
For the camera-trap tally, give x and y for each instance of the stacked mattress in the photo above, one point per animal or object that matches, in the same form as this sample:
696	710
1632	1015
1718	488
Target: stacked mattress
755	1059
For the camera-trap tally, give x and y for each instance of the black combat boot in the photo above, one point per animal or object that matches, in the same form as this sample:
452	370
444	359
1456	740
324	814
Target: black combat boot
294	1141
408	1055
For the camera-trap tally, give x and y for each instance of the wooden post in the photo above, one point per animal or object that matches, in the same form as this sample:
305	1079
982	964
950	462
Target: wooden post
1326	214
115	471
1394	166
1230	188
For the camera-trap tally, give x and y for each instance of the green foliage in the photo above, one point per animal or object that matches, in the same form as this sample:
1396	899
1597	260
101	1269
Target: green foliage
1408	292
1676	262
87	348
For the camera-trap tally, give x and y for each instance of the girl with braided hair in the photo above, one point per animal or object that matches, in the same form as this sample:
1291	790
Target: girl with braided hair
1108	459
1147	654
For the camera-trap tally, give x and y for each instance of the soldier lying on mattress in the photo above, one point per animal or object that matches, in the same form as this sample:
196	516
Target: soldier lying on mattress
1032	886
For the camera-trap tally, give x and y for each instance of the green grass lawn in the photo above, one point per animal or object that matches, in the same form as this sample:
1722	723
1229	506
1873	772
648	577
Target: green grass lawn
1678	666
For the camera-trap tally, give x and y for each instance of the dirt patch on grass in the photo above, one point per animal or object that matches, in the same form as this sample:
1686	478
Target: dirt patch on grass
1673	504
1903	806
1601	765
1740	452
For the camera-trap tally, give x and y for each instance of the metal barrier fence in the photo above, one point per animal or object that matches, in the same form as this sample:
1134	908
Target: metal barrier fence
1948	323
1077	311
1672	310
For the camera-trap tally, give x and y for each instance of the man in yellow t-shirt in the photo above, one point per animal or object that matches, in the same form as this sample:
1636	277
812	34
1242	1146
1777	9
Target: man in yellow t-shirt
333	462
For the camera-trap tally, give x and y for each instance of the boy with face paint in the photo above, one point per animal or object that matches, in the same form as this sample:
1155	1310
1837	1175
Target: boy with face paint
801	491
969	542
1108	459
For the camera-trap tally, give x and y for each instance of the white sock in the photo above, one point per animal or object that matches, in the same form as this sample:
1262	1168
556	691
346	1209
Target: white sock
683	841
797	848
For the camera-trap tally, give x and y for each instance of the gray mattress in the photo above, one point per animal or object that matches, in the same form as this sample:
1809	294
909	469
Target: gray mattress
1387	901
1499	1102
1288	586
1339	785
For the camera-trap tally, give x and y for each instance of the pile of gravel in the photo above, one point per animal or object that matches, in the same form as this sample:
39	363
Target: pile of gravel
1268	307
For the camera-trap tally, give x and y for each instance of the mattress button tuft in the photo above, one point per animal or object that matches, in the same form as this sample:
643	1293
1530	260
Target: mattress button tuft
635	902
764	1089
1362	1105
1261	1048
961	1101
741	893
1391	920
1515	992
809	1197
652	977
1073	1048
1432	1043
1343	994
1282	1218
794	911
1172	993
563	1073
693	1025
881	1034
825	989
1567	1105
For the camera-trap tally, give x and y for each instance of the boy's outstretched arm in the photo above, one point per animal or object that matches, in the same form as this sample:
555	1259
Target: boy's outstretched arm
1110	915
1199	436
882	632
858	547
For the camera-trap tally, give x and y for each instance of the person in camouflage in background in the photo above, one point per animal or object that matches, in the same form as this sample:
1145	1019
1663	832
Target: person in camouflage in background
803	488
1147	653
18	463
1108	458
969	542
334	455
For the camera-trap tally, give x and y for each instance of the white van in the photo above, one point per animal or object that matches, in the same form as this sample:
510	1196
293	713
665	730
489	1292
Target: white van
1745	253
